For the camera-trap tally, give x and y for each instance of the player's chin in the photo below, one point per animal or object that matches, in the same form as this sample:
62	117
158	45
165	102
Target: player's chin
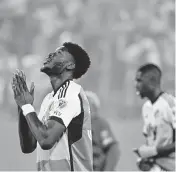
45	69
142	96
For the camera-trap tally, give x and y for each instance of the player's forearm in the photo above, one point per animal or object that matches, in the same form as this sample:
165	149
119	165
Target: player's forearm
113	156
27	140
166	150
39	130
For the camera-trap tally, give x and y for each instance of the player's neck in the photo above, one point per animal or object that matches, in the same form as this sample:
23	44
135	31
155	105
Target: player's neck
155	95
56	81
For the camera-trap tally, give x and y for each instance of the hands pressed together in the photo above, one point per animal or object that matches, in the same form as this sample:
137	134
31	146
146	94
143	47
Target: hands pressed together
22	95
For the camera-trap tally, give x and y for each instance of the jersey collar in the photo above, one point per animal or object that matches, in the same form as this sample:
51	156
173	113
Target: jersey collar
62	85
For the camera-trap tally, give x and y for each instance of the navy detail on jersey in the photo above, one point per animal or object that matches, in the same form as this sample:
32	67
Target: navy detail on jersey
75	131
58	120
63	89
76	125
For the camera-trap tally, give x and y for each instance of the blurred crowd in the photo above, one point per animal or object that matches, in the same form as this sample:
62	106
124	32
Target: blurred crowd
119	36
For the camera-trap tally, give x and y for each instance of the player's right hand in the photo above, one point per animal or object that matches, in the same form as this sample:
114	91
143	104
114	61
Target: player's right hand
20	76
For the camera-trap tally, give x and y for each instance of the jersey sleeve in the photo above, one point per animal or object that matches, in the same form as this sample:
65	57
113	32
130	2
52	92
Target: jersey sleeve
65	109
171	114
145	123
163	128
106	136
171	108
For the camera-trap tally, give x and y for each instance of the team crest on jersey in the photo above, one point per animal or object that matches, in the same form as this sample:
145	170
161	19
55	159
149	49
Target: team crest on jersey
62	103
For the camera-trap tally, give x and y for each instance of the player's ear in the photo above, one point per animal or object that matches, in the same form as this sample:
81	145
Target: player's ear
71	66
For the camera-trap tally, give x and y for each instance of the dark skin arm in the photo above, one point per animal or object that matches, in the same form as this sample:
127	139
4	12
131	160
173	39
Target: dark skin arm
46	135
166	150
28	142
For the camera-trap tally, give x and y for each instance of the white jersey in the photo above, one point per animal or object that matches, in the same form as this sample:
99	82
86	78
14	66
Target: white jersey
70	107
159	126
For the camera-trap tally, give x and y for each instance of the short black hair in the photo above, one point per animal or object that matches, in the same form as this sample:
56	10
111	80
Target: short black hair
82	60
154	69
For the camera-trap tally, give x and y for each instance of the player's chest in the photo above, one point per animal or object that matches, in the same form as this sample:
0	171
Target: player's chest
45	109
151	118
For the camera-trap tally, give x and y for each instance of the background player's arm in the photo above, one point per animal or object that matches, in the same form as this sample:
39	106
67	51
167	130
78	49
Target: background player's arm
166	150
27	140
111	147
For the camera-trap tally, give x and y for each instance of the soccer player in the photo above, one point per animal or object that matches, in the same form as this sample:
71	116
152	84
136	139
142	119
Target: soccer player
106	151
61	131
159	121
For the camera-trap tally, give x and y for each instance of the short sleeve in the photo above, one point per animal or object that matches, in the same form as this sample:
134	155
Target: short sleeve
171	108
65	109
163	128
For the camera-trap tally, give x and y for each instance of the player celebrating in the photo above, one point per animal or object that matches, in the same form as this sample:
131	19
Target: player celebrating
159	121
106	152
62	130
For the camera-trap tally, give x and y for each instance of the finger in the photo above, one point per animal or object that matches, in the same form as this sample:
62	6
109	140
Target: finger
137	152
135	149
23	75
14	90
24	85
32	88
20	74
17	71
15	84
19	84
22	78
14	79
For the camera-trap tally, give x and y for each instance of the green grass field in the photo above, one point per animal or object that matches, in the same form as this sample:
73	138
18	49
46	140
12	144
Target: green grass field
128	133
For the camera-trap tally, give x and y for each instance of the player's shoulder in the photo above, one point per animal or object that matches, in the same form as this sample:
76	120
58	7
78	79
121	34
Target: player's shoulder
167	99
48	96
164	102
73	90
146	106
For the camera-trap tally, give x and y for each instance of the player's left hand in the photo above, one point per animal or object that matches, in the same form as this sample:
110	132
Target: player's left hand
21	93
147	151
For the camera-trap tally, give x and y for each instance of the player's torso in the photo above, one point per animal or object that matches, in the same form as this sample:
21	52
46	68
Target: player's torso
154	119
58	158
